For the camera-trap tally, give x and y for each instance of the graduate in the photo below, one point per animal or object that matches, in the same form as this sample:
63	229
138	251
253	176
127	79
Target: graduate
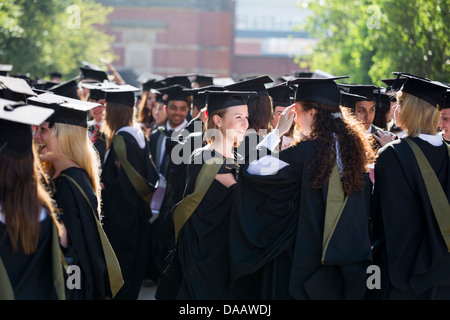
31	267
129	178
410	204
259	110
301	228
200	266
72	164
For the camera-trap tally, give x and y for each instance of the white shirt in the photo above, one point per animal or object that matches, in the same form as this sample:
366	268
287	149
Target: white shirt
168	127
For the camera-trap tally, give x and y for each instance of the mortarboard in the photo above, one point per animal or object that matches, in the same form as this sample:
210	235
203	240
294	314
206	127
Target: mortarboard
67	110
323	90
348	99
175	92
432	92
15	131
15	89
216	100
93	74
281	94
198	99
67	88
394	83
121	94
256	84
203	80
365	90
96	89
182	80
5	69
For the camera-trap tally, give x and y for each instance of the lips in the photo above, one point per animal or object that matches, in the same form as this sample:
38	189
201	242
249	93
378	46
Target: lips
41	147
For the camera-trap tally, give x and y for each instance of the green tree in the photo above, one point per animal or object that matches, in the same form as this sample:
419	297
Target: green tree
368	40
41	36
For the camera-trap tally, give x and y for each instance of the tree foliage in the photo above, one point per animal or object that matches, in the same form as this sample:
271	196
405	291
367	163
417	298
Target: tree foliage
368	40
41	36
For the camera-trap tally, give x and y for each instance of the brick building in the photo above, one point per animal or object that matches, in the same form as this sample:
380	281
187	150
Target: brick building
189	36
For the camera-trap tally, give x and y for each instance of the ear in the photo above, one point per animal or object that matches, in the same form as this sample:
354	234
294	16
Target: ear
217	120
312	112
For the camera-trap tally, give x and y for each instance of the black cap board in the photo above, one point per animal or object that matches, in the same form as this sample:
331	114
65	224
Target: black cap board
175	92
93	74
15	130
67	110
182	80
15	89
96	89
121	94
203	80
348	100
447	101
256	84
66	89
365	90
199	100
323	90
432	92
217	100
282	95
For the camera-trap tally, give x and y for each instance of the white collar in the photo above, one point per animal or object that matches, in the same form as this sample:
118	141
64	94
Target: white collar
433	139
136	132
369	131
181	126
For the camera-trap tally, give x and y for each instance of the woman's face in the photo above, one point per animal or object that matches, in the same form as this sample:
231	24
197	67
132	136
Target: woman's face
304	118
234	123
48	146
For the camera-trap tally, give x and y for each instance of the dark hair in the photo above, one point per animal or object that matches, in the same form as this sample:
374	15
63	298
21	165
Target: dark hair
259	112
355	146
22	196
117	116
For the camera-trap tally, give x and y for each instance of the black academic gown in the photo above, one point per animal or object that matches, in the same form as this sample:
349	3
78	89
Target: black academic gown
276	236
408	246
100	143
31	275
126	214
85	248
202	245
176	183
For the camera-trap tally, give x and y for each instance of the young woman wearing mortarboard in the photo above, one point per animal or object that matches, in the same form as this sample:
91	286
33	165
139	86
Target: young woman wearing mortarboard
128	179
410	208
31	267
200	265
301	230
72	164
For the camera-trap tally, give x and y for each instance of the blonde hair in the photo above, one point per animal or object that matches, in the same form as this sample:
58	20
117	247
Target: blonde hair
75	145
417	115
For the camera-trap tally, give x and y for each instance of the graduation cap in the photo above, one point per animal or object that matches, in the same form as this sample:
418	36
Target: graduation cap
432	92
15	89
382	100
67	110
5	69
182	80
93	74
198	99
121	94
348	100
15	131
203	80
96	89
216	100
394	83
176	92
55	74
67	88
256	84
366	90
282	95
324	90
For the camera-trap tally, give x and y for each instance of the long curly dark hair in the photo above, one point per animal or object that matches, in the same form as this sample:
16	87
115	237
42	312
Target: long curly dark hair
355	148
